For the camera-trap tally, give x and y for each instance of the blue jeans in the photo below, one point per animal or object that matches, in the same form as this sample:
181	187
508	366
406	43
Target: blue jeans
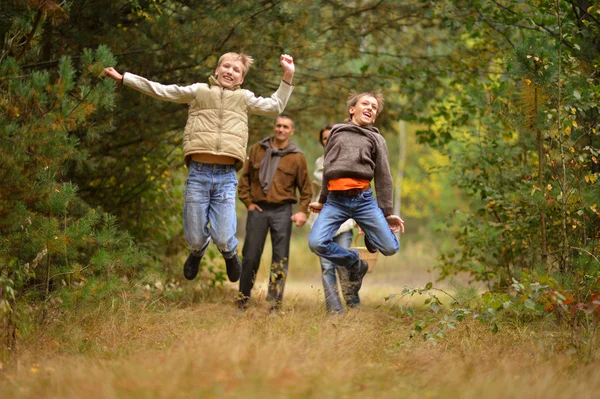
330	284
209	208
366	213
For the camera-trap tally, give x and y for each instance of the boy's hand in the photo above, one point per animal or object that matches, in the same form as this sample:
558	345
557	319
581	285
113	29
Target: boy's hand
287	63
299	218
396	224
113	74
315	207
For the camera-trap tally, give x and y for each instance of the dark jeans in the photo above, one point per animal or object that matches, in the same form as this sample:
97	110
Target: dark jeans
275	218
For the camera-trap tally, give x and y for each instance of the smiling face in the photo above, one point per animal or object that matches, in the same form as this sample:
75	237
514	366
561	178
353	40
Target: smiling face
283	129
230	73
365	111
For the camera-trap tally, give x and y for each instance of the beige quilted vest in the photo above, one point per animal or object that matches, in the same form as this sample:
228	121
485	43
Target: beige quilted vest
217	123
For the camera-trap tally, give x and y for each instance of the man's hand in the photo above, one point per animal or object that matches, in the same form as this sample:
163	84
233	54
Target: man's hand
253	207
287	63
112	73
299	218
396	224
315	207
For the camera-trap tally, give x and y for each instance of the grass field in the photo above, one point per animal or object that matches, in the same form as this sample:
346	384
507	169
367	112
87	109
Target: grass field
137	345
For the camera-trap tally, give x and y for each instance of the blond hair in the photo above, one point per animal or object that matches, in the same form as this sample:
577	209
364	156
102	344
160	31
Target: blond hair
246	60
353	98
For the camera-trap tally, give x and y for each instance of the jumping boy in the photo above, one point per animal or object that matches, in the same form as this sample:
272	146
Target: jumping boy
214	146
355	154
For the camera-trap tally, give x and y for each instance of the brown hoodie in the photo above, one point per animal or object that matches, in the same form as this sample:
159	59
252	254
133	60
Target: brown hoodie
359	152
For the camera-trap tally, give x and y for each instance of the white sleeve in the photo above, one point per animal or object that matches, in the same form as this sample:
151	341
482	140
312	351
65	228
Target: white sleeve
271	106
173	93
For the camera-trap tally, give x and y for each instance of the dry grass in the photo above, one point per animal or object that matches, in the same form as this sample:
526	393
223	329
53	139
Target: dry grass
136	347
209	350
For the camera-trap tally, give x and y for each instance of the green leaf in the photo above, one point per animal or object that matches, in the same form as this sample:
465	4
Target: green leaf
529	304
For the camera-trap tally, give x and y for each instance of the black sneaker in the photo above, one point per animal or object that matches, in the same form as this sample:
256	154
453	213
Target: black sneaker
234	268
242	305
191	266
353	302
356	276
370	247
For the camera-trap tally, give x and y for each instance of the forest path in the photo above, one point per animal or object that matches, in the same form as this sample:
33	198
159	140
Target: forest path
138	345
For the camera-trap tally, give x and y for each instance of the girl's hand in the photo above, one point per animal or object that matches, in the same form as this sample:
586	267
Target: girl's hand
315	207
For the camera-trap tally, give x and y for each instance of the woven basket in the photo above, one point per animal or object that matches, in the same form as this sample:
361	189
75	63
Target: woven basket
368	257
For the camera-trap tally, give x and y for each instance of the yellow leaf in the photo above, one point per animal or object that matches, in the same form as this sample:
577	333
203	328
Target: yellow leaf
549	187
575	124
572	149
568	130
528	82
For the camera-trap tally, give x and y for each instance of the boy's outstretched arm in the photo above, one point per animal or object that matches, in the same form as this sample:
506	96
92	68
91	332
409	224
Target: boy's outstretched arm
274	105
287	63
173	93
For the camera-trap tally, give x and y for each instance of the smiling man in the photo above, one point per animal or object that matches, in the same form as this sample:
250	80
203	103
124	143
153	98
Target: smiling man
356	153
274	169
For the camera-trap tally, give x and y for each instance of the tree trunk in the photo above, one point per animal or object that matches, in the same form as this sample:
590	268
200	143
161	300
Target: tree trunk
401	163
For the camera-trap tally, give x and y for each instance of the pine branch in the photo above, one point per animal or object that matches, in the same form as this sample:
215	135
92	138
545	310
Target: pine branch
36	24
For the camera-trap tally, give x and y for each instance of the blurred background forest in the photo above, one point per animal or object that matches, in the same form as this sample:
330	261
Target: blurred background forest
491	120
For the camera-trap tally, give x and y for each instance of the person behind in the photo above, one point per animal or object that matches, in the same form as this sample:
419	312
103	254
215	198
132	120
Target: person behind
356	153
274	169
214	146
342	237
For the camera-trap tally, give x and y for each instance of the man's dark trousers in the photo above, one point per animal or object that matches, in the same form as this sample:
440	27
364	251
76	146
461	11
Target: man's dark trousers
276	218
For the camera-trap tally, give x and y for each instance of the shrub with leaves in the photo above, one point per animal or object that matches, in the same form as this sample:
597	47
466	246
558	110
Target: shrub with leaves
49	237
574	314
